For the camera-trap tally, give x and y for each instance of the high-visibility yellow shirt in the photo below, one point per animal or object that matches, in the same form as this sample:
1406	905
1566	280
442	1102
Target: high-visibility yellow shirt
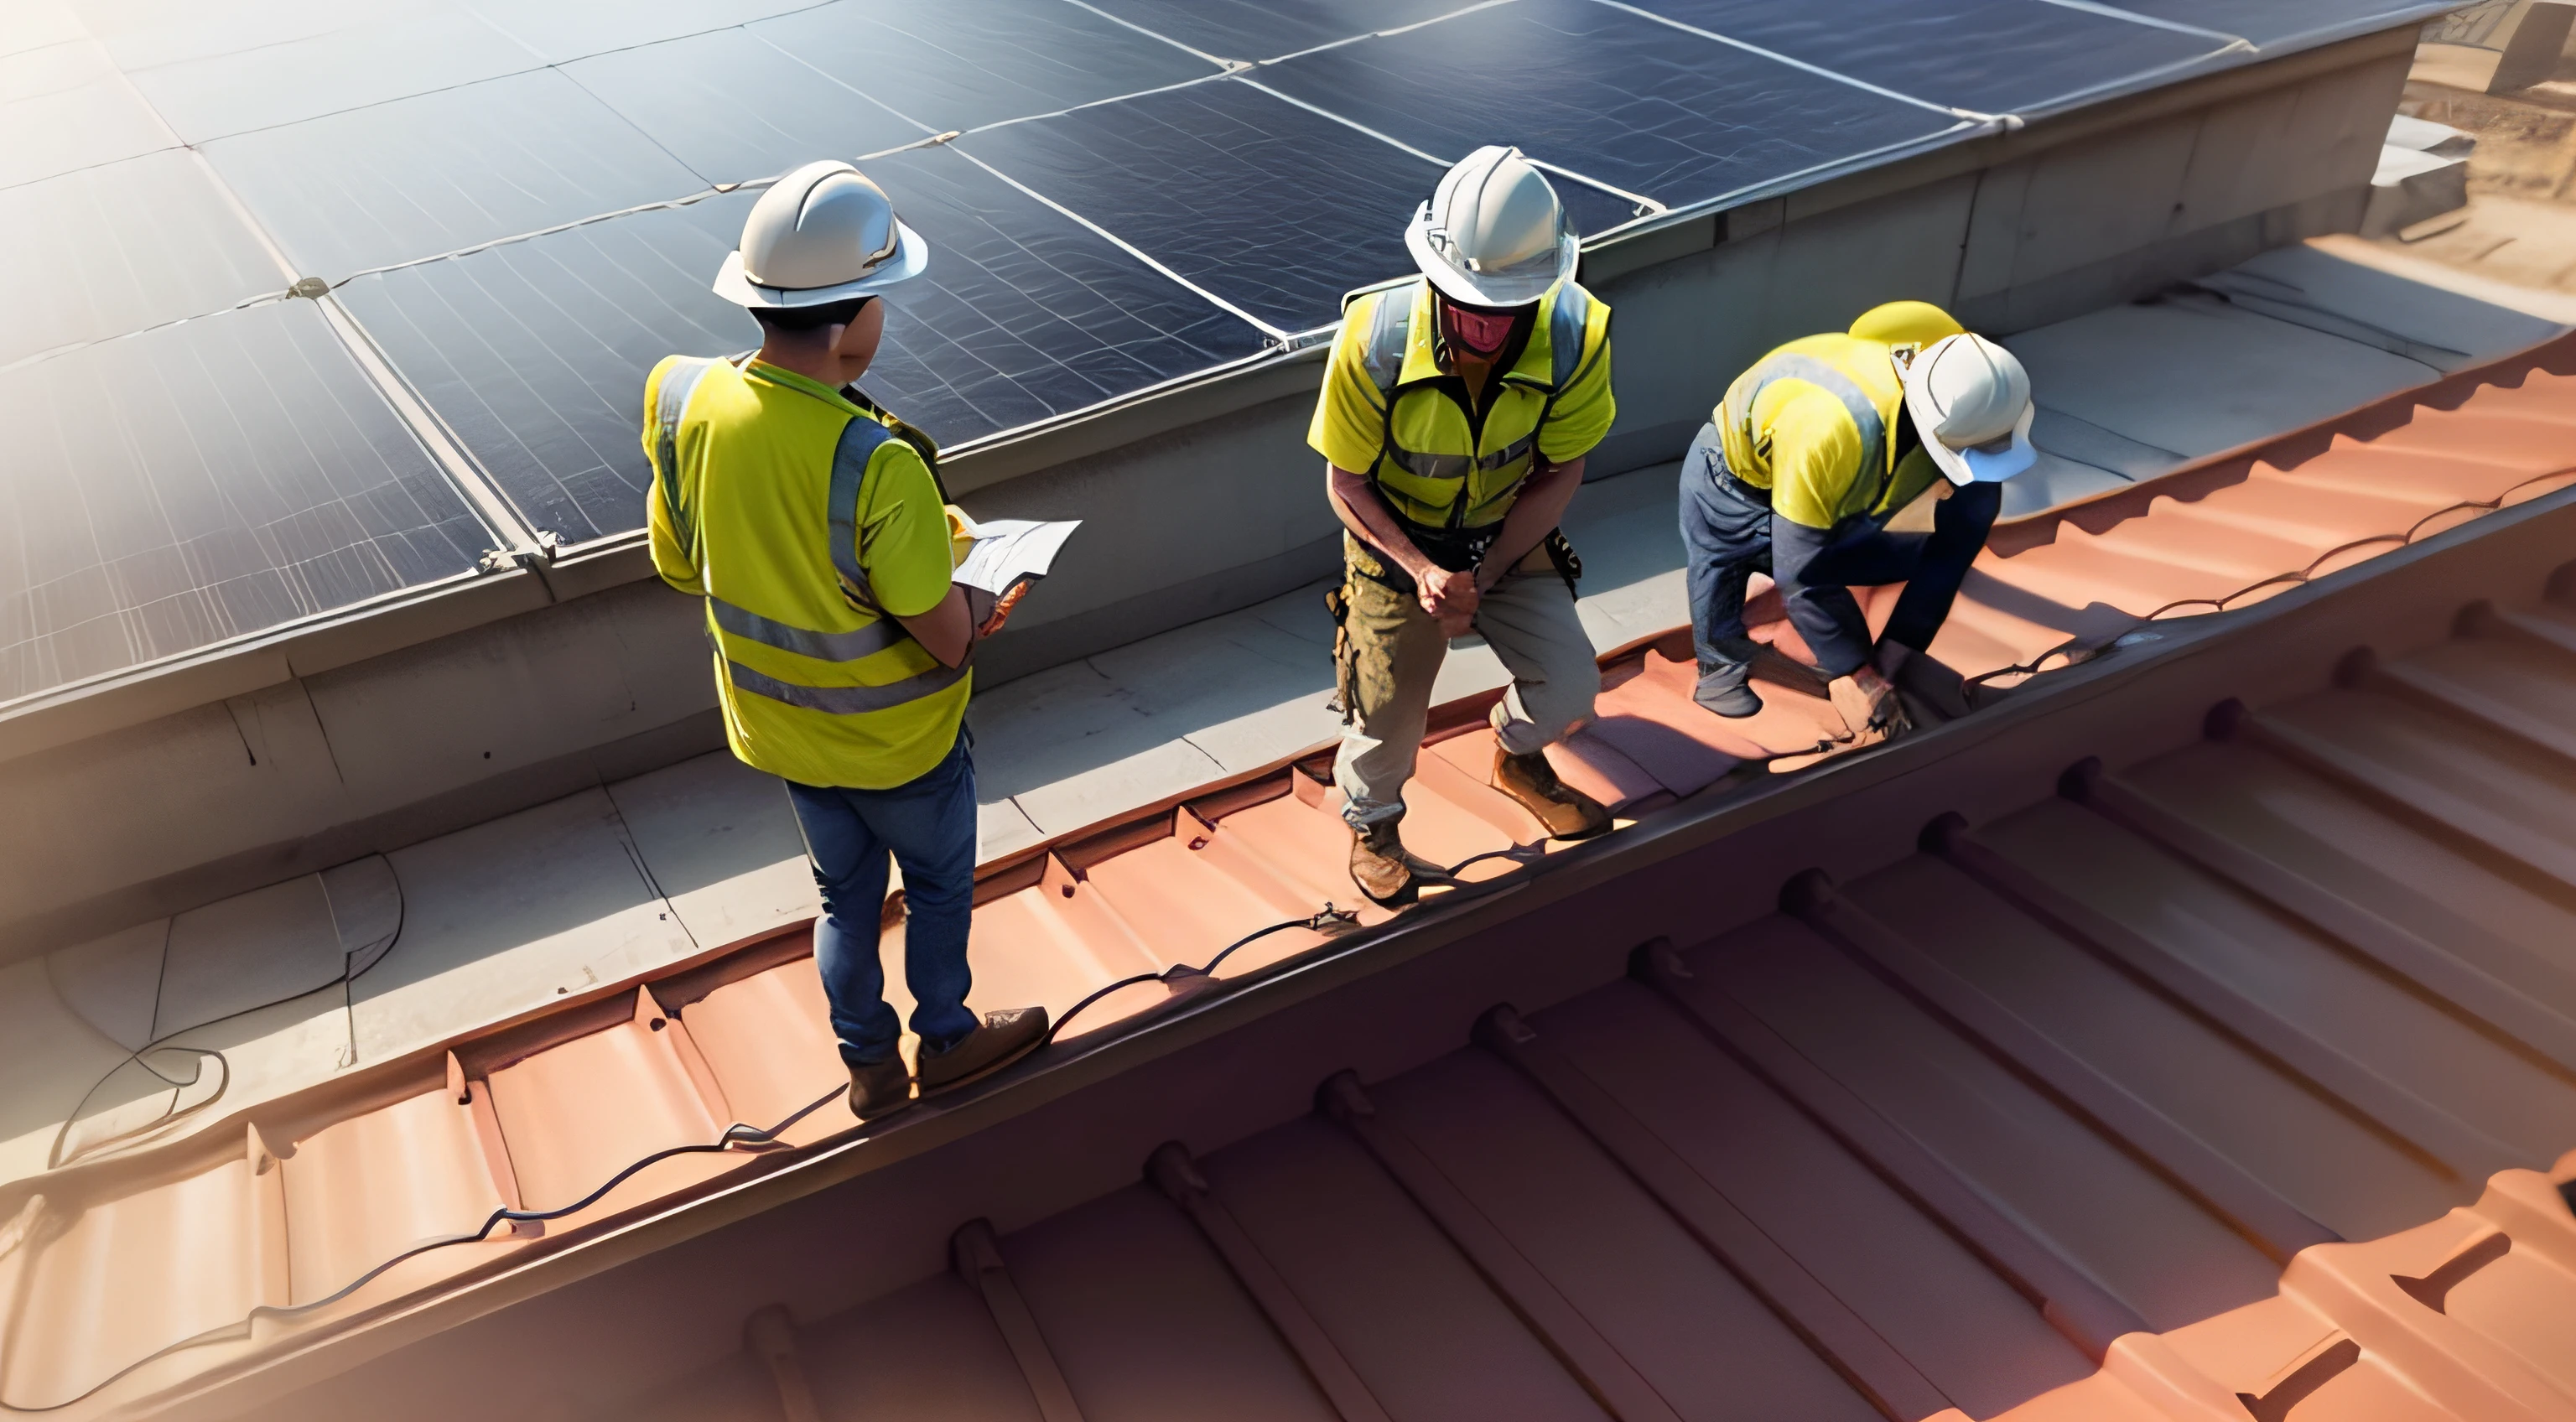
808	528
1435	463
1816	422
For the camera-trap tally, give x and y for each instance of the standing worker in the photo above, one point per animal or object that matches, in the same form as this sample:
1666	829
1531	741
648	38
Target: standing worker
1455	417
809	521
1800	469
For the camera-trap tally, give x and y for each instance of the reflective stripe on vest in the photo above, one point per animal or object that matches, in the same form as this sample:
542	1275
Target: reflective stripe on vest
1390	333
1856	402
844	700
804	642
670	401
859	441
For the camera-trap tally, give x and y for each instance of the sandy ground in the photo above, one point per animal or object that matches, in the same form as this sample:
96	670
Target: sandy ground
2520	224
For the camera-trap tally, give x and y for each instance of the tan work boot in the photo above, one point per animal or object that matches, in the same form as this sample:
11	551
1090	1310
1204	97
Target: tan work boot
1567	813
879	1089
1385	870
999	1040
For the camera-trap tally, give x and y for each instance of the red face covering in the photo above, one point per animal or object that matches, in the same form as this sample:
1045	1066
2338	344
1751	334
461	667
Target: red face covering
1478	333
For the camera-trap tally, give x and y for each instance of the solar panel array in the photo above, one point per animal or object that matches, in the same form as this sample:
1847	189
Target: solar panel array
516	208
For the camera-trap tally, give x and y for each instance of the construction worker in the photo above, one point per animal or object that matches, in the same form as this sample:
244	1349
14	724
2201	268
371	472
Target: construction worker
1455	417
1798	473
814	527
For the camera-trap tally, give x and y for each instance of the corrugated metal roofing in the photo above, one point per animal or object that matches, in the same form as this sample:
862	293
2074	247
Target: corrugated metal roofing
2072	1084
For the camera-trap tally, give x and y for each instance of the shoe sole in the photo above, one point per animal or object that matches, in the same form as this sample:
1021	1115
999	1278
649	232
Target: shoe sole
999	1063
888	1113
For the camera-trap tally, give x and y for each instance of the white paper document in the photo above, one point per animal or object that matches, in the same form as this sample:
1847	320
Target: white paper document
1009	551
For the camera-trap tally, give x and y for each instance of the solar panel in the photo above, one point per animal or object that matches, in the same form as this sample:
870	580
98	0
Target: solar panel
1269	29
566	30
352	65
733	106
959	66
199	481
64	106
105	251
2271	22
416	177
1271	206
1608	93
522	201
1991	56
535	352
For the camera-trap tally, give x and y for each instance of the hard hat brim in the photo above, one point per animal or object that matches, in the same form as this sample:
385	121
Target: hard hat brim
911	256
1974	465
1485	289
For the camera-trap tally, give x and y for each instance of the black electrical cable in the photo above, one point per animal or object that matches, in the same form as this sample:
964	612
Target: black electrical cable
1327	917
737	1134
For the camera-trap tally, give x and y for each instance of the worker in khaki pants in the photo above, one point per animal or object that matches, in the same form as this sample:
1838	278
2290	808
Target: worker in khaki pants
1455	417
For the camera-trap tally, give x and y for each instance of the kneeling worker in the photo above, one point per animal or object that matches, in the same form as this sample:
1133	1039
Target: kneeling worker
810	523
1813	451
1455	417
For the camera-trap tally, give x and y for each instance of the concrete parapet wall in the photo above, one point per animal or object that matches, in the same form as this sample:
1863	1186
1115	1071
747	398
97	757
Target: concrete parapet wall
260	763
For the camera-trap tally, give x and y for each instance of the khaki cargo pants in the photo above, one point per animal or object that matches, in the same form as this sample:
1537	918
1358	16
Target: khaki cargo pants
1390	652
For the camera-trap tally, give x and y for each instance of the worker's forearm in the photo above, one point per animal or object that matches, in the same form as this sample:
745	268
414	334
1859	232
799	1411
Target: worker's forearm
1540	507
1366	516
946	631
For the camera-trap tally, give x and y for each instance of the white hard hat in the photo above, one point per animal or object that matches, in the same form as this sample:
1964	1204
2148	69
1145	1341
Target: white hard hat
1970	400
1493	233
823	233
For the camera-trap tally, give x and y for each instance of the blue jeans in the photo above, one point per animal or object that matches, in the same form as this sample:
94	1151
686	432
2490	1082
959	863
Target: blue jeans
928	825
1729	536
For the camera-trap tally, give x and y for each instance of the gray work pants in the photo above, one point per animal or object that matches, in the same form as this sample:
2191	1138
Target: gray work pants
1392	651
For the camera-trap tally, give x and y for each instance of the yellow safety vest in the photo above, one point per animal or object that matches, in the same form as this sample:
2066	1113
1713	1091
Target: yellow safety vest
786	505
1434	469
1812	422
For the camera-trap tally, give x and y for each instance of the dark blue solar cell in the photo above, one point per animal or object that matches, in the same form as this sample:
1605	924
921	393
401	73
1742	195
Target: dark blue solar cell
1275	208
415	177
735	108
1605	92
958	66
201	482
535	353
1267	29
2294	22
1993	56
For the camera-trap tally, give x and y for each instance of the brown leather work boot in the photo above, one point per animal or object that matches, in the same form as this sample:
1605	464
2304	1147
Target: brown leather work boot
879	1089
1567	813
1385	870
1001	1039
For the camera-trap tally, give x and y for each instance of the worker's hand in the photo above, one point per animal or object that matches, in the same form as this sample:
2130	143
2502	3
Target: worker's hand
1001	611
1446	595
1869	705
